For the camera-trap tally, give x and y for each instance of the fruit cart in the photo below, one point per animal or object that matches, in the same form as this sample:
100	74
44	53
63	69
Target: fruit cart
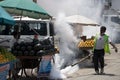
86	45
30	53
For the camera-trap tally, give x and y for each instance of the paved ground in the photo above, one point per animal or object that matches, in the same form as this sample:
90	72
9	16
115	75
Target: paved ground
112	69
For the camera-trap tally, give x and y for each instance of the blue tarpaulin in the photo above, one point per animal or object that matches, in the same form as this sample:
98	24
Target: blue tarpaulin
3	74
5	18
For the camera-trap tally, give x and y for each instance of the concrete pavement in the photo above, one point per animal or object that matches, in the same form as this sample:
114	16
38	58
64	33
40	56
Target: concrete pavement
112	69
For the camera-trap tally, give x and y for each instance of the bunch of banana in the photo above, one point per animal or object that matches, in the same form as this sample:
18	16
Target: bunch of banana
3	59
9	56
86	44
6	56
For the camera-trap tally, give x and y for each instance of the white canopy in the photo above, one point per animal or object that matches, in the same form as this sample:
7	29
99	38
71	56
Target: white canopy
80	20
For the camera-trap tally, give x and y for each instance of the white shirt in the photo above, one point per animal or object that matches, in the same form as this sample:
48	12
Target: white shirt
100	42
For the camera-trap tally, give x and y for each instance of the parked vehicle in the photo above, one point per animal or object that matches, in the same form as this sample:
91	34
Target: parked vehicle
27	27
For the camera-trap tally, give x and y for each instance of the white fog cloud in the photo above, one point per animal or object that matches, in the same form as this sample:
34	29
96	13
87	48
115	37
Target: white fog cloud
89	8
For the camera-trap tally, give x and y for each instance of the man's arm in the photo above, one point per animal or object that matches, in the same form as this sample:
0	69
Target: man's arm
116	50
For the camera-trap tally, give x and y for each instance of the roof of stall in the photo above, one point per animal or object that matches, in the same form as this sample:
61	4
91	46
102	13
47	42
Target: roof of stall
78	19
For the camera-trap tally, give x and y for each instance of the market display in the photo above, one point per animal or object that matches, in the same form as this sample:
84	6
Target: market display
3	59
88	43
6	56
34	48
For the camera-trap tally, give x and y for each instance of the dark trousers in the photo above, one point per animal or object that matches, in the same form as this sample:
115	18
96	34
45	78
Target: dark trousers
98	58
